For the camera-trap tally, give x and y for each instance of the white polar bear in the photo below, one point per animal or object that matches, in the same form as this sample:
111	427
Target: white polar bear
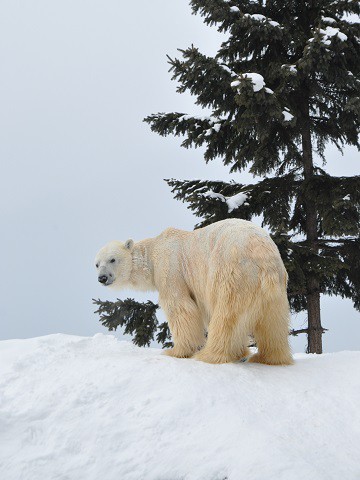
227	279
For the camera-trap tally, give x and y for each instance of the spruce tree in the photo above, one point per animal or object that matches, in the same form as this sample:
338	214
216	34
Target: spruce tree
282	86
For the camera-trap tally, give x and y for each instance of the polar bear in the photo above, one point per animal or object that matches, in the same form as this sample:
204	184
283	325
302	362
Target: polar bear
226	279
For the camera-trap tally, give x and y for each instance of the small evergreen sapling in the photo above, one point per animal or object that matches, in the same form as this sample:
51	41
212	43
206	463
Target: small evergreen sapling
139	320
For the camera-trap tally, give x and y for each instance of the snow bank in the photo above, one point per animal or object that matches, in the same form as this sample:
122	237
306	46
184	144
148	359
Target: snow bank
79	408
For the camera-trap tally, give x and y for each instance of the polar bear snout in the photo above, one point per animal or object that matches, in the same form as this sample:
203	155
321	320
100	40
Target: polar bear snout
103	279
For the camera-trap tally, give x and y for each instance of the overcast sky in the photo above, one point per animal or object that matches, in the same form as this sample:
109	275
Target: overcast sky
80	168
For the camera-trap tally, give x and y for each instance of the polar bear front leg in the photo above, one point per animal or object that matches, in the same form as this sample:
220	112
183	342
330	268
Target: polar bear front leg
185	323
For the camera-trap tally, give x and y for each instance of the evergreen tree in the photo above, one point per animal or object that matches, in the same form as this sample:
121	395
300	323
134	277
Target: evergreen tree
284	84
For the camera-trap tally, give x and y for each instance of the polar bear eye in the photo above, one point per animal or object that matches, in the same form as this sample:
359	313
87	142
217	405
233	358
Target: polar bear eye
97	265
112	260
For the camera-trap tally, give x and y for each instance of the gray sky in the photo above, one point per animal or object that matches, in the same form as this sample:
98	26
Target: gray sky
78	166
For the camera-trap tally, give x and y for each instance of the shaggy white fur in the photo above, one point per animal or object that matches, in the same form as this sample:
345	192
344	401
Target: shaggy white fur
227	279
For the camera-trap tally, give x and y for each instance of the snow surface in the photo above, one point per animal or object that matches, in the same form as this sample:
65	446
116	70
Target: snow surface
79	408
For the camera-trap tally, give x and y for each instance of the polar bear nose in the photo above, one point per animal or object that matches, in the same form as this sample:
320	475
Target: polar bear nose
102	278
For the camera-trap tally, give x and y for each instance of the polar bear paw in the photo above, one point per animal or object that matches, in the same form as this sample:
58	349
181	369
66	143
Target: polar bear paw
179	352
208	356
211	357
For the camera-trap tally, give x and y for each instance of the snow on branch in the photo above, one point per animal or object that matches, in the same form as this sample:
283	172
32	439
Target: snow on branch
290	68
257	81
287	115
226	68
257	17
233	202
328	20
328	33
197	117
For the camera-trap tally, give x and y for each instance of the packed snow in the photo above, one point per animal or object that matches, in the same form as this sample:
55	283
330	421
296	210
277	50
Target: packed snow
233	202
78	408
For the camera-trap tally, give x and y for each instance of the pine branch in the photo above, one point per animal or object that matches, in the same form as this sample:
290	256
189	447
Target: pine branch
295	333
139	319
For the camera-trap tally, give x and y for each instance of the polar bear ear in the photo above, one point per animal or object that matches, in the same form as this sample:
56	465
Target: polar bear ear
129	244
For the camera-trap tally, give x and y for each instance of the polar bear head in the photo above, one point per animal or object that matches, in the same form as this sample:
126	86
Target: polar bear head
113	263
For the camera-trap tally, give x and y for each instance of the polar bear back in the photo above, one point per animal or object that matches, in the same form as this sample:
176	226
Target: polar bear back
231	250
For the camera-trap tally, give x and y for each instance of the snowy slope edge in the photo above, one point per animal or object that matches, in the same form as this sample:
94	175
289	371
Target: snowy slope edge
89	408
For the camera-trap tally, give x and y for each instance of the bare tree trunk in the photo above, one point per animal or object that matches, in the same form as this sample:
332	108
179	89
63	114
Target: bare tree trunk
315	330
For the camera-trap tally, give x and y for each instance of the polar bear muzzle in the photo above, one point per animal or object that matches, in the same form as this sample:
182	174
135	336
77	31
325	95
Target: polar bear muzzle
105	278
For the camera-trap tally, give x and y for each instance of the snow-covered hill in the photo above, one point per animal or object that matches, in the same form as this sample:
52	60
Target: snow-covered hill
74	408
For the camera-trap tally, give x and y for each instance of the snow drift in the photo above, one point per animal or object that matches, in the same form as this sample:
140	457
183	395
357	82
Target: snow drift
90	408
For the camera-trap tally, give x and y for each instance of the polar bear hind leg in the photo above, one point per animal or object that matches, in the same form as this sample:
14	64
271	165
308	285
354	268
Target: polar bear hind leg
227	335
271	331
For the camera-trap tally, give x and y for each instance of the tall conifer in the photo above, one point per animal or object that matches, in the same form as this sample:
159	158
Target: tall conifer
282	86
